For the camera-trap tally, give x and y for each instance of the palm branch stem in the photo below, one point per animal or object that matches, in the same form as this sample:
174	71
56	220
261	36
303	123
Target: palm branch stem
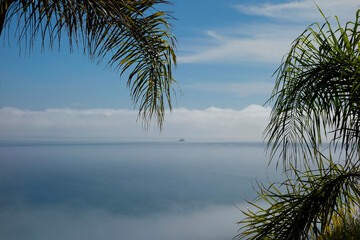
3	9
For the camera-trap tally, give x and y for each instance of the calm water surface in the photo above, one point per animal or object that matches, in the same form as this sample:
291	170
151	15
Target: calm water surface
126	191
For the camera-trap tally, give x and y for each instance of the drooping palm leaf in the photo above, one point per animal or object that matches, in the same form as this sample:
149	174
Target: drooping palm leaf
317	93
316	99
130	34
303	206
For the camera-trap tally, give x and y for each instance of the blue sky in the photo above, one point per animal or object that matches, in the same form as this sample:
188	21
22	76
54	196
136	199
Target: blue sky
227	53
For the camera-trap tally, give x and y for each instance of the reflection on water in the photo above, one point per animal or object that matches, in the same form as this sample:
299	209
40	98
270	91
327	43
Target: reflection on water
127	190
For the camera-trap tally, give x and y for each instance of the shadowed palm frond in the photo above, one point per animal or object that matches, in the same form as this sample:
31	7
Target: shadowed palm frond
132	35
317	94
303	207
316	99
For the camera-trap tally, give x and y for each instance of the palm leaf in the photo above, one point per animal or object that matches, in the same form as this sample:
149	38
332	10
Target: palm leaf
316	99
130	35
316	94
303	206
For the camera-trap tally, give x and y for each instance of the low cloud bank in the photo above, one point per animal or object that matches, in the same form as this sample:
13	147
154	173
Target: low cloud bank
211	124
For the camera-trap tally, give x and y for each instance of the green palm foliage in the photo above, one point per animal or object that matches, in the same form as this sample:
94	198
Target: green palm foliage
305	205
132	35
316	108
348	229
317	93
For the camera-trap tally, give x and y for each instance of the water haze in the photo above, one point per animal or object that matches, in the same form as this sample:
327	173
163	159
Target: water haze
168	190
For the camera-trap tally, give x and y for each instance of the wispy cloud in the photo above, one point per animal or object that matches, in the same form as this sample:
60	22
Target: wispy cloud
264	47
211	124
303	11
255	47
265	41
244	89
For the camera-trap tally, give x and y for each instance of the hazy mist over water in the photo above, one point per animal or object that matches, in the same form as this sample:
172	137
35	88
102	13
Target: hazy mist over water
126	190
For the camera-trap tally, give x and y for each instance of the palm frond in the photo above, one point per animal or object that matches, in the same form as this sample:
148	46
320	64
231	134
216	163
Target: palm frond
305	205
131	35
347	228
316	93
316	98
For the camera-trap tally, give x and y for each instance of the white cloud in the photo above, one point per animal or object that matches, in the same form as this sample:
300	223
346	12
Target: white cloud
305	10
240	89
264	42
211	124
